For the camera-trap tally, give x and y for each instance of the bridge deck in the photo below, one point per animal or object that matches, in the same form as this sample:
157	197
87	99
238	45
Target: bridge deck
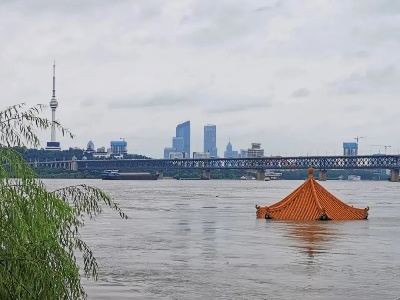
263	163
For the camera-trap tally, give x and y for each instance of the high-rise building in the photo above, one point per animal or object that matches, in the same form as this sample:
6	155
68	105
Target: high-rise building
176	155
183	131
350	149
53	144
119	147
201	155
210	140
168	151
243	153
177	144
229	153
255	150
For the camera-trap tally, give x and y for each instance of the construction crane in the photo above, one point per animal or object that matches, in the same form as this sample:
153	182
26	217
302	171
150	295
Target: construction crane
386	146
359	137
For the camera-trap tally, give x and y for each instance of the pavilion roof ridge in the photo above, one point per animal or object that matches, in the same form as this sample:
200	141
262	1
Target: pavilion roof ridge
311	201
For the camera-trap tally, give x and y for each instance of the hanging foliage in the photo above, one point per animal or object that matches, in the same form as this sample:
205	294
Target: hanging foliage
40	243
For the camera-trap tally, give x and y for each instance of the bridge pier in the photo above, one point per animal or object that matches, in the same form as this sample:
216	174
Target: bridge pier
160	174
322	175
206	175
394	175
74	164
260	175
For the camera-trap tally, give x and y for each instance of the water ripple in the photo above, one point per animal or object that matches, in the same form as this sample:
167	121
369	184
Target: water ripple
184	242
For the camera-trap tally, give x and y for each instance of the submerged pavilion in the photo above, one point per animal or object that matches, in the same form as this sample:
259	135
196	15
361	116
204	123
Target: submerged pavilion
311	201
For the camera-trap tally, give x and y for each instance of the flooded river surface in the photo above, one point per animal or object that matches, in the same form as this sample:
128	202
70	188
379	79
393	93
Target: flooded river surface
201	240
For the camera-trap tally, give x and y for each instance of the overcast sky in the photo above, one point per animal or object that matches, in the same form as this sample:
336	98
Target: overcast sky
300	77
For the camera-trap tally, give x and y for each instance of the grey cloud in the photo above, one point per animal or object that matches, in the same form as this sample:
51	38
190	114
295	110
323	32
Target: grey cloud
64	7
212	23
353	108
374	33
371	81
140	58
289	73
300	93
268	7
356	55
378	7
164	99
88	102
263	8
246	103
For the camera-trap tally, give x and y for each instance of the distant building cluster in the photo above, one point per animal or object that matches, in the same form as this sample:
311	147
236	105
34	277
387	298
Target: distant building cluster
181	145
117	149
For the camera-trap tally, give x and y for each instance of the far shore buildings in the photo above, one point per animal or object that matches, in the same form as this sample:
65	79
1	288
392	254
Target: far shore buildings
180	143
255	150
117	150
119	147
210	140
183	131
201	155
102	152
243	153
90	148
229	152
350	149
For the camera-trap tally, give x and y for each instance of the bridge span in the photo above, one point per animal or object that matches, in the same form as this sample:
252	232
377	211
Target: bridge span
322	163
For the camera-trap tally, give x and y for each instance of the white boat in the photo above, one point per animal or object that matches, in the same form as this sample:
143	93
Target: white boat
354	178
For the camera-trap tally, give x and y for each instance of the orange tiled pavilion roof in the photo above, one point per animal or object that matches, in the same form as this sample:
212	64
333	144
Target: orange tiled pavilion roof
311	201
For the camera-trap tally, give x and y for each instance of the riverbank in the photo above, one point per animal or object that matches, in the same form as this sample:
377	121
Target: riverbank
215	174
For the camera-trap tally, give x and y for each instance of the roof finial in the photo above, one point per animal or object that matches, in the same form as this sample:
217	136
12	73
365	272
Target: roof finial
310	171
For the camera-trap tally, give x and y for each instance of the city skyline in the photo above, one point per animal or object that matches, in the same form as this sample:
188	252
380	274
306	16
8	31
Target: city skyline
299	77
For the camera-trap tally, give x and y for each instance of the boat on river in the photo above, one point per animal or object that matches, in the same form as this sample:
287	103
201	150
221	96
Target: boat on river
115	175
354	178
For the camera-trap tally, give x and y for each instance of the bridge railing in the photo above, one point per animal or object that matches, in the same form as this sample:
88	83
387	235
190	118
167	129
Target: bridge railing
317	162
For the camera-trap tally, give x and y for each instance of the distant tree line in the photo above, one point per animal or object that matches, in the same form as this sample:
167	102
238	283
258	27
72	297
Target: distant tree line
42	154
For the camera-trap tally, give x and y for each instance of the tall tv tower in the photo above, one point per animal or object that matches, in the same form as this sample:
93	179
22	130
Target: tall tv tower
53	145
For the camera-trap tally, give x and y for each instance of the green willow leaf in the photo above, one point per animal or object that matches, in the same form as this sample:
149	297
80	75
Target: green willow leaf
40	243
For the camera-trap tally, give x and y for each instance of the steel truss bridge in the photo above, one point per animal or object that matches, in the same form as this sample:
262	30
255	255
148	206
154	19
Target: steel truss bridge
264	163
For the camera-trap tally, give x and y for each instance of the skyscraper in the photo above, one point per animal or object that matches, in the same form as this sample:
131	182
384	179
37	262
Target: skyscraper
177	144
183	131
229	153
210	140
53	145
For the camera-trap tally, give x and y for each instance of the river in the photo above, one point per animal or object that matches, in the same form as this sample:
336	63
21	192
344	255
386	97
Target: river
201	240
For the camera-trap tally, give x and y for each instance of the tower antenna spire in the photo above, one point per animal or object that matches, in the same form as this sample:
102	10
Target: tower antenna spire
54	80
53	145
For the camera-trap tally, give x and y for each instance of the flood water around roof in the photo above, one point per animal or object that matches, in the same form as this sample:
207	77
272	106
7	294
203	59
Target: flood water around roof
201	240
